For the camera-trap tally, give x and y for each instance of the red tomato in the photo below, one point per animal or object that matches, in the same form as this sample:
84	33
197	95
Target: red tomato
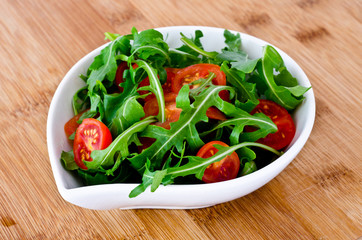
172	113
223	170
197	71
71	126
90	135
214	113
166	87
119	74
281	118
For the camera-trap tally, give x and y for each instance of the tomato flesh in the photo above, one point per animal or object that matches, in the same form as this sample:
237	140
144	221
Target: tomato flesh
90	135
71	126
172	112
223	170
195	72
166	87
282	119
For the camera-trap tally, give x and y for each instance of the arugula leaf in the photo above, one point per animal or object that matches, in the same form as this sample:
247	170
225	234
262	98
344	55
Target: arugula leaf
239	119
111	36
113	102
232	41
80	100
239	60
195	41
155	87
89	177
149	178
149	45
68	160
245	91
282	95
249	167
105	64
180	59
195	166
184	128
194	47
105	158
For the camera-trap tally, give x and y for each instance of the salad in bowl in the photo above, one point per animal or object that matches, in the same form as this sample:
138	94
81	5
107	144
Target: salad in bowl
148	113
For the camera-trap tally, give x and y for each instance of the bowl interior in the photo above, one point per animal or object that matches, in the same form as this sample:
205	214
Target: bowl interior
60	111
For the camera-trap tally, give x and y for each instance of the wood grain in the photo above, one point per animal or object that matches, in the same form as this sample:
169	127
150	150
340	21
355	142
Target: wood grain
319	194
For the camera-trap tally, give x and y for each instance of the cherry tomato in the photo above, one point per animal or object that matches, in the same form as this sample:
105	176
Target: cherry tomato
71	126
197	71
166	87
172	112
223	170
214	113
282	119
90	135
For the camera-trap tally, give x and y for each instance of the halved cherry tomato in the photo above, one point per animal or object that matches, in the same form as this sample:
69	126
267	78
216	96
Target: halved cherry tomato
71	126
90	135
172	112
166	87
197	71
202	70
214	113
223	170
281	118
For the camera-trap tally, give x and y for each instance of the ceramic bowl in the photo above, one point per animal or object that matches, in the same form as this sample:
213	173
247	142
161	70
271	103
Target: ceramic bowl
113	196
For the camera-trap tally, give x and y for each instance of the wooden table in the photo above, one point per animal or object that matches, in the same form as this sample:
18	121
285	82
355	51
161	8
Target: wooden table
318	196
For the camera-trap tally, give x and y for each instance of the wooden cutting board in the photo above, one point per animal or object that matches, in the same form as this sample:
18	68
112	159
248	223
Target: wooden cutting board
318	196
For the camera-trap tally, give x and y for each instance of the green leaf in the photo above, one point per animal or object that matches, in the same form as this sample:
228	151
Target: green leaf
180	59
129	113
183	129
105	158
121	174
245	91
195	46
149	45
239	60
80	100
105	64
111	36
149	178
194	43
195	166
155	87
232	41
272	61
249	167
239	119
68	160
114	103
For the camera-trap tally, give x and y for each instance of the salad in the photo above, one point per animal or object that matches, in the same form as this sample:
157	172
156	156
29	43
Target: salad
153	115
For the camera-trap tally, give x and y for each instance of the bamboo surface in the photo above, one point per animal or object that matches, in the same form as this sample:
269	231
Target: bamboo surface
318	196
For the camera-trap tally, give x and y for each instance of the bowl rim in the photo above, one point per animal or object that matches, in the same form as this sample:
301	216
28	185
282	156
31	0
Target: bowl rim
269	170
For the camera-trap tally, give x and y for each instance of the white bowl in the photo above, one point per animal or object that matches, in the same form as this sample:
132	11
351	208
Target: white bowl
113	196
